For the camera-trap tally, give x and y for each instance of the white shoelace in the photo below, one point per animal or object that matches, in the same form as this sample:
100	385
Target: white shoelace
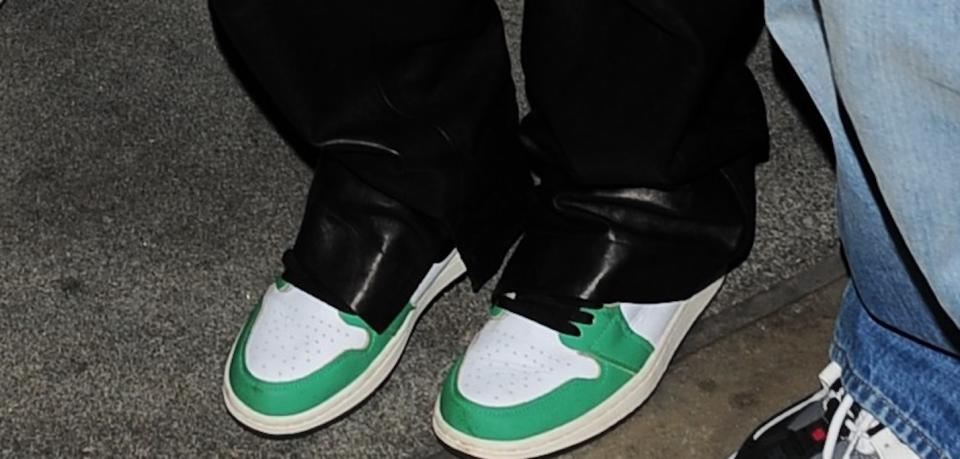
859	430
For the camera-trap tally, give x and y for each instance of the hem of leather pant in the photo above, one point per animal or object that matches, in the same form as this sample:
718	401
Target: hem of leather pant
378	318
361	250
484	251
296	274
604	271
873	400
482	265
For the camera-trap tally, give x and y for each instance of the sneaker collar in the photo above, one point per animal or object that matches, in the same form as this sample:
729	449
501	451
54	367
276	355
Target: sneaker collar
558	313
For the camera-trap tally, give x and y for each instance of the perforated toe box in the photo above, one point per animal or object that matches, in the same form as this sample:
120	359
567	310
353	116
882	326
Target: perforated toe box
514	360
296	334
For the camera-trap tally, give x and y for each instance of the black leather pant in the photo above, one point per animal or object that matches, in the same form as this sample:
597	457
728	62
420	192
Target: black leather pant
644	132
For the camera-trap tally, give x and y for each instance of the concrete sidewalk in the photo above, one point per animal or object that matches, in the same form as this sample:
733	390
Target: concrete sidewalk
144	204
711	400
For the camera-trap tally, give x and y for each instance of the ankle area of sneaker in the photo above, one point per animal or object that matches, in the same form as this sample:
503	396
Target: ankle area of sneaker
299	363
546	373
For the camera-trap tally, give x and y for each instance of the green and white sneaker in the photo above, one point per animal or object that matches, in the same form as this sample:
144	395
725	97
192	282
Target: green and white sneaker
525	389
299	363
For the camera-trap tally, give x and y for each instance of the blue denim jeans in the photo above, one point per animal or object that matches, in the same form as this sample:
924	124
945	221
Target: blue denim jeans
885	76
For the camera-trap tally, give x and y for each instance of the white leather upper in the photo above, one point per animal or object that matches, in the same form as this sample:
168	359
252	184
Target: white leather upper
649	320
514	360
296	334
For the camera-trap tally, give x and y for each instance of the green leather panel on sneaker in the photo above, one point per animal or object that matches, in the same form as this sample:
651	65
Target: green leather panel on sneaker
292	397
609	340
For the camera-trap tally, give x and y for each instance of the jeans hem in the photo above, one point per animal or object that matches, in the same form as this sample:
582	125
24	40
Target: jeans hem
883	409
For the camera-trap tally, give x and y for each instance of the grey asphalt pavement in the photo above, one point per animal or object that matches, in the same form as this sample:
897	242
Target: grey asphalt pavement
144	203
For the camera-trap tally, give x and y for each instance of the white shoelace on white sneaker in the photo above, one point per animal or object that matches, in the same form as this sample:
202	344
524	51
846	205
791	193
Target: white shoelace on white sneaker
859	427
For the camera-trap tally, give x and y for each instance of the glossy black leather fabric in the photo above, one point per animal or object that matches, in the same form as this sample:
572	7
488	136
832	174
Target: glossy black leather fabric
411	109
635	244
366	239
645	128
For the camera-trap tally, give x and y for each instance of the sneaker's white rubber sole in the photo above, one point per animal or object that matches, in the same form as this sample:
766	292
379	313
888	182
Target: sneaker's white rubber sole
603	416
358	390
